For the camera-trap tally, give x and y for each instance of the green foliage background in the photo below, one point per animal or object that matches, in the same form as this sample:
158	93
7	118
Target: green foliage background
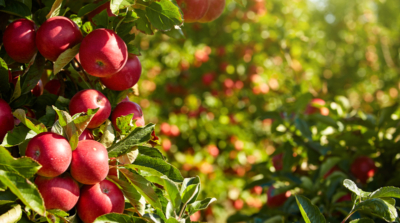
345	52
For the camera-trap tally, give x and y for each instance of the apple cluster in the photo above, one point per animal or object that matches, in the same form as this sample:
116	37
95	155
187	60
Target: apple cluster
202	11
75	178
102	52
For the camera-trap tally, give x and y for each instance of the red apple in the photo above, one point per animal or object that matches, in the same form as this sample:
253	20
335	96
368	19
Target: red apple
215	9
208	78
103	53
30	113
89	163
19	40
238	204
38	89
99	199
14	76
315	107
6	119
276	200
213	150
91	99
56	35
125	78
343	198
363	168
193	10
86	134
166	144
100	9
53	87
175	132
60	192
126	108
277	161
52	151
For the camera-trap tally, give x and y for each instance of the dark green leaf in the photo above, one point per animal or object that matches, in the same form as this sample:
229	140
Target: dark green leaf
17	136
65	57
303	127
32	77
118	218
190	193
16	8
164	15
137	137
90	7
142	23
309	211
4	85
363	220
200	205
25	166
386	192
150	151
378	208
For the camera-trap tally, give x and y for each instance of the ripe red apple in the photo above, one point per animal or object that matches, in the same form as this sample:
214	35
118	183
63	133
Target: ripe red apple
166	144
125	78
213	150
276	200
19	40
52	151
312	108
343	198
53	87
60	192
6	119
277	161
363	168
86	134
56	35
193	10
103	53
38	89
215	9
91	99
99	199
238	204
100	9
89	163
126	108
175	132
30	113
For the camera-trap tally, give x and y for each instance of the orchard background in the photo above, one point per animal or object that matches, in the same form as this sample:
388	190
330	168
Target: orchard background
232	104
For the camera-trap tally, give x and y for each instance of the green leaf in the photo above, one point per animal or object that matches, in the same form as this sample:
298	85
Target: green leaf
118	218
16	8
324	119
175	33
240	2
25	166
40	15
55	9
143	186
164	15
386	192
25	190
363	220
87	27
101	19
82	120
309	211
386	113
150	151
17	136
76	19
32	77
4	85
173	193
114	6
142	23
49	118
188	182
134	197
157	167
137	137
133	49
189	194
303	127
2	3
20	115
90	7
200	205
108	136
352	187
12	215
65	57
66	121
7	197
17	90
379	208
328	164
126	124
